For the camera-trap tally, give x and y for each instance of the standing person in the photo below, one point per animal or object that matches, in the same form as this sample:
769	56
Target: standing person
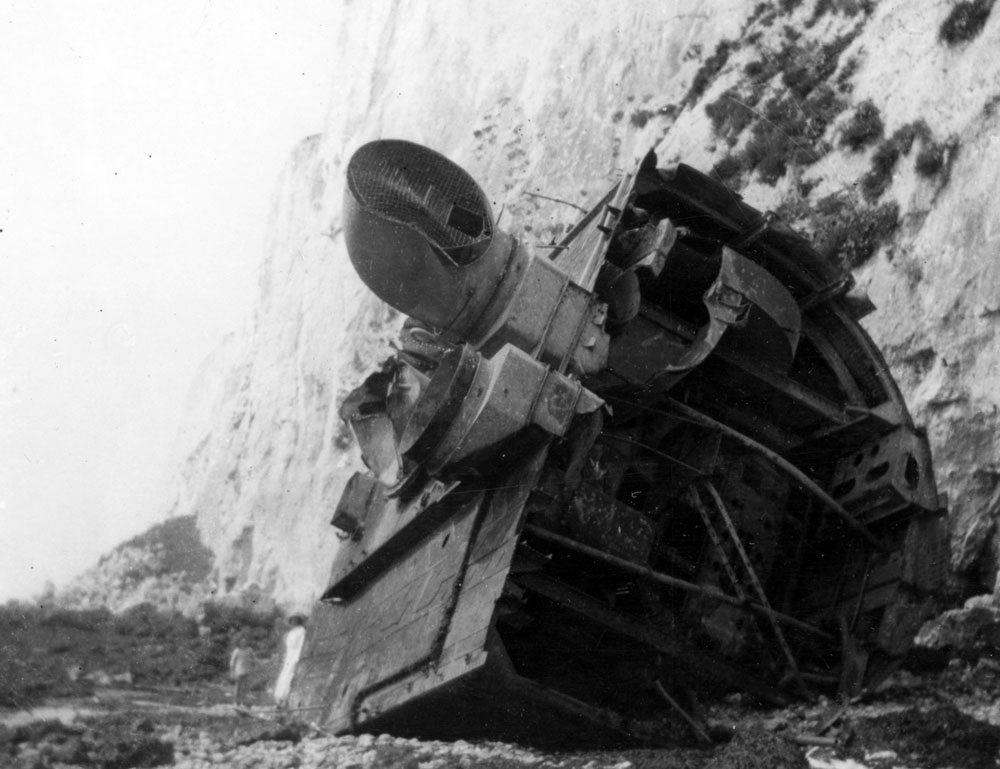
294	639
240	665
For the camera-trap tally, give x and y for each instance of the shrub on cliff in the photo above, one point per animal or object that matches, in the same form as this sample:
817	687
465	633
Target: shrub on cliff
965	21
864	128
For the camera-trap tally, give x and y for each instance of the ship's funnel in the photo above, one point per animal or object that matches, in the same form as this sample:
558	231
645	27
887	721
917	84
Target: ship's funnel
420	233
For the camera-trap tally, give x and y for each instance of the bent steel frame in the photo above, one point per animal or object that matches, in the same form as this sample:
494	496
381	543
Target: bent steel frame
660	461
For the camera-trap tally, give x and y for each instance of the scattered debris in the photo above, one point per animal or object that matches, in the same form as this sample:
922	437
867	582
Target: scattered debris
969	633
935	738
754	749
117	745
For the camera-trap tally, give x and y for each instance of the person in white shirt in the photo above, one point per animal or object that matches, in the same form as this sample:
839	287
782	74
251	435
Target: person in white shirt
294	639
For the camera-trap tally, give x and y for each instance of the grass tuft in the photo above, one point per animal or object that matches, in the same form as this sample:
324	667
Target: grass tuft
729	114
887	154
934	157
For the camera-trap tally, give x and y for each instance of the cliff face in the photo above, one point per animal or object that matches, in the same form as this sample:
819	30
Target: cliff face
557	101
265	475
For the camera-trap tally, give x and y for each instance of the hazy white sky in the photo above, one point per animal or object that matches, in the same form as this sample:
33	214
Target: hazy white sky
141	142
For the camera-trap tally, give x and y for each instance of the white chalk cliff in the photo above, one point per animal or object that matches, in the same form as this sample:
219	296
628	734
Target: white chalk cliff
557	99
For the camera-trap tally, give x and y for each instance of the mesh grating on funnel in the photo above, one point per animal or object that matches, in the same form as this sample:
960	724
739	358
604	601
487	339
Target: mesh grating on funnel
413	185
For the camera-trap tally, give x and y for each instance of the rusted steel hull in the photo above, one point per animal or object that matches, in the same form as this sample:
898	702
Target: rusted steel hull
671	465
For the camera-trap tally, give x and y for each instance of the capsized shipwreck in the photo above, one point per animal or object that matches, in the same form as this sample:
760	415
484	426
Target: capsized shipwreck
657	461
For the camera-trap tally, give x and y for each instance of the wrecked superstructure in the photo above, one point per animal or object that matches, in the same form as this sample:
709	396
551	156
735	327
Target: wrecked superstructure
656	461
